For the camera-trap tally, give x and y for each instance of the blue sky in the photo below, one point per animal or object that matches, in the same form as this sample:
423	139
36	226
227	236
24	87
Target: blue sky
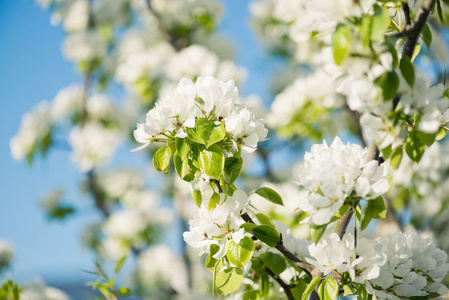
32	69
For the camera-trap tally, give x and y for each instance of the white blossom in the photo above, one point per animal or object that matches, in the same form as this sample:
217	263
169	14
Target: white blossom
331	173
6	254
34	129
173	114
218	225
84	46
39	291
93	145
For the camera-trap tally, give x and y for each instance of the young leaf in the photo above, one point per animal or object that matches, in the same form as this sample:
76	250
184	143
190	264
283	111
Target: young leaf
312	285
210	261
440	134
413	146
265	220
341	43
328	289
197	198
161	159
379	23
362	294
426	35
193	135
210	132
213	201
120	263
229	280
299	289
426	138
251	295
358	214
374	209
212	161
267	234
248	227
390	85
349	290
440	12
182	148
124	291
232	168
239	254
317	232
396	158
270	195
181	166
407	70
275	262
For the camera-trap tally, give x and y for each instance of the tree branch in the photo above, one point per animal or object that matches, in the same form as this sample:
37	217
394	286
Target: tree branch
280	246
286	287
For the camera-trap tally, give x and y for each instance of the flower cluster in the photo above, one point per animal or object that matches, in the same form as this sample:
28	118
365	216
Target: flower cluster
404	265
334	173
414	267
362	263
218	225
208	98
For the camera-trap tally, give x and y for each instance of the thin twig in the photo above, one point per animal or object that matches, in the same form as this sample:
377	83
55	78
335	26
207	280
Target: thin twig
286	287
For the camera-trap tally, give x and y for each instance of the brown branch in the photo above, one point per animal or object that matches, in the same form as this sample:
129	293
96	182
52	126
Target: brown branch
286	287
408	21
280	246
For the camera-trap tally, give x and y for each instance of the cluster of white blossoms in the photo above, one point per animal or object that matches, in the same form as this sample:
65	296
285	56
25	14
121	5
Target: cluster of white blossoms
33	133
334	173
218	225
403	265
414	267
92	145
206	98
39	290
6	254
363	262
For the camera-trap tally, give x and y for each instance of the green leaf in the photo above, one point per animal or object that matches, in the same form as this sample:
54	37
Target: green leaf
341	43
440	134
251	295
416	51
212	161
267	234
265	286
407	70
182	148
248	227
210	261
413	146
213	201
374	209
328	289
270	195
193	135
379	23
181	167
396	157
124	291
362	294
239	254
440	12
312	285
358	214
265	220
426	35
120	263
390	84
232	168
257	264
299	289
197	198
426	138
317	231
229	280
365	30
210	132
349	290
161	159
275	262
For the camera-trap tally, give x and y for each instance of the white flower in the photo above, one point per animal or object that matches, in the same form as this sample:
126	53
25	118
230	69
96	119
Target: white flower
176	112
380	130
77	16
38	291
34	129
84	46
330	173
218	225
92	145
362	262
